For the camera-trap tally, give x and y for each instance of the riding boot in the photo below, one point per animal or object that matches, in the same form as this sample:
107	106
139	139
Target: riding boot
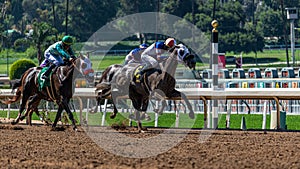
48	71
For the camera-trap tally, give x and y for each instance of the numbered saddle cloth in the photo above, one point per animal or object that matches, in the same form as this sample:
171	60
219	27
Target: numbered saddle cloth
42	82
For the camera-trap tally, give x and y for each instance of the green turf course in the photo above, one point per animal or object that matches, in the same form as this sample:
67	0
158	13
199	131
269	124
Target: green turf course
253	121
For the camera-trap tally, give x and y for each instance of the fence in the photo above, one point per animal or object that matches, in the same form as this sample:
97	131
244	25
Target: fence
84	99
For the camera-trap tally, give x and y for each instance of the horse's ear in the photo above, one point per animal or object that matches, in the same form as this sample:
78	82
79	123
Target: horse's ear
81	55
172	49
88	54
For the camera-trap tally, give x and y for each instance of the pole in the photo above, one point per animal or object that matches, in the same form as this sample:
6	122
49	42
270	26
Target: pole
193	20
293	41
215	70
7	48
157	21
67	13
54	18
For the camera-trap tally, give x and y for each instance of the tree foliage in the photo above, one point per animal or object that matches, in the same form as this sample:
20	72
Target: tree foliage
243	24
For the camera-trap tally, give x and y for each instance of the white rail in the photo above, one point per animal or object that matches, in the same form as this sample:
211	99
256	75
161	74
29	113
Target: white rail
207	94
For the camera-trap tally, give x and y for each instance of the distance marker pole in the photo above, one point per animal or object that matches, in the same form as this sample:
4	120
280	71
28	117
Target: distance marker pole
215	70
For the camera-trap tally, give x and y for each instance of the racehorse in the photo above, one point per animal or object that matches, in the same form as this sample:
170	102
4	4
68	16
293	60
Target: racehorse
103	87
60	90
154	81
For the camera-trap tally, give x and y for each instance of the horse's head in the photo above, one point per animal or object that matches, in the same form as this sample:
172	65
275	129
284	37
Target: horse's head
184	56
84	65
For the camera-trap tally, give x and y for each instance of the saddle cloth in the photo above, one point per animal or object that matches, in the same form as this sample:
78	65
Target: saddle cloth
137	74
42	82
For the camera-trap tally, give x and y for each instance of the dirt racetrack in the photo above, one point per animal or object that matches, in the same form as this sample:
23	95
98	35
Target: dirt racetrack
37	147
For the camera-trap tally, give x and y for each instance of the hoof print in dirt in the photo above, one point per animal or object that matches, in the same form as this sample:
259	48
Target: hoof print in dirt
118	126
58	129
11	127
17	128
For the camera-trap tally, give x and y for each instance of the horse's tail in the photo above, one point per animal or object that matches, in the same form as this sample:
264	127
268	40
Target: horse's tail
16	98
16	85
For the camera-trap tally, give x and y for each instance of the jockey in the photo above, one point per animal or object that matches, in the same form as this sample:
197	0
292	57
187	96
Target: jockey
55	54
153	53
135	55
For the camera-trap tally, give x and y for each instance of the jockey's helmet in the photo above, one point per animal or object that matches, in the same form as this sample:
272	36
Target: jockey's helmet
170	42
67	40
143	46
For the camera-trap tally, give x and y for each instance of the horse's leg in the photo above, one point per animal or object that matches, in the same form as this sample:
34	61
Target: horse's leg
65	103
161	96
32	105
58	114
176	93
28	121
163	105
136	100
144	110
97	104
115	112
21	109
138	119
101	95
99	99
115	96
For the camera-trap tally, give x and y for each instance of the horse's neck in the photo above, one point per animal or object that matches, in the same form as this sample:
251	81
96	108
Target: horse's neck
68	74
170	65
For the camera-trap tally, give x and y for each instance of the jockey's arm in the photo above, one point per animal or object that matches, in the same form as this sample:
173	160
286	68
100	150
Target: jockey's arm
62	52
158	54
71	52
128	58
162	57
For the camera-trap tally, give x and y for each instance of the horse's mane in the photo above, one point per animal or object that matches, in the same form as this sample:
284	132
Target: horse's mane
65	70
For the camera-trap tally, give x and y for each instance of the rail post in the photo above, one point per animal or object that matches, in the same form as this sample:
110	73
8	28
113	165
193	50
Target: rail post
215	70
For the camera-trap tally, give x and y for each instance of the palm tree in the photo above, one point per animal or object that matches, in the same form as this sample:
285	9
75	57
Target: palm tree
41	30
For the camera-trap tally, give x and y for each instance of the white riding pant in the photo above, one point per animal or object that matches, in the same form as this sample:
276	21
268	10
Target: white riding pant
57	60
149	59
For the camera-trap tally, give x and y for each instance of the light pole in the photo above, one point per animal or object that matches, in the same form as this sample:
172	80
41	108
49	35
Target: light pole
67	13
292	15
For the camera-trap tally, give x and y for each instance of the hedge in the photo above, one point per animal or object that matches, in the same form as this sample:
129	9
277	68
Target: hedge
19	67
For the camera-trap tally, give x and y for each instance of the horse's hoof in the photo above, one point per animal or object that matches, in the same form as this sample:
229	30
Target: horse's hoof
192	115
160	112
92	111
13	123
143	130
57	129
112	116
147	118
